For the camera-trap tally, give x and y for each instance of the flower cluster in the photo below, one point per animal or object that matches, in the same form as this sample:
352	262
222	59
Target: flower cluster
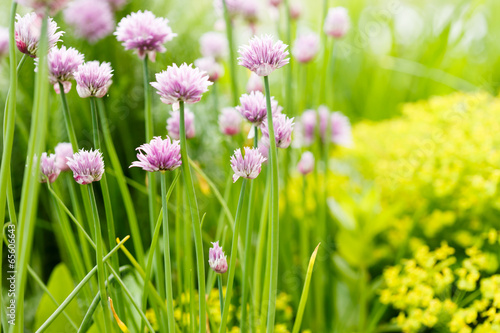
93	79
181	83
173	124
283	127
87	166
159	155
230	121
145	33
306	47
90	19
52	165
217	259
421	290
253	107
249	166
63	63
28	30
263	56
337	22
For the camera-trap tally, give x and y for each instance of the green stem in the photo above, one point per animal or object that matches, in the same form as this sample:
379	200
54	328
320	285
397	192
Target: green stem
77	289
195	217
67	119
232	263
99	252
248	245
232	63
31	184
166	245
221	294
273	154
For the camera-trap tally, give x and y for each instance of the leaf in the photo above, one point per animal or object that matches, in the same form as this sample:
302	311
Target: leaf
305	291
60	286
346	220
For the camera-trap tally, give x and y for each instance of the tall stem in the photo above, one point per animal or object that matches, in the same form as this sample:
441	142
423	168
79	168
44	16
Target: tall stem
195	217
232	263
273	154
99	254
166	246
67	119
232	63
31	184
221	294
248	246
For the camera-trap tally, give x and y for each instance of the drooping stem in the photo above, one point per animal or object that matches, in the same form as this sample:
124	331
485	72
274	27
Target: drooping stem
195	217
232	262
99	254
29	194
232	63
166	247
273	154
248	242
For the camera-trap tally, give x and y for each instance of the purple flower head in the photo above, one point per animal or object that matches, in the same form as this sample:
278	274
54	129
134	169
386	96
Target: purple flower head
308	124
145	33
27	33
87	166
212	67
183	83
306	47
42	6
159	155
340	130
173	124
91	19
262	56
93	79
216	259
249	166
233	7
255	83
63	64
4	42
264	149
283	127
48	168
306	163
253	107
64	150
275	3
250	11
230	121
213	44
337	22
295	10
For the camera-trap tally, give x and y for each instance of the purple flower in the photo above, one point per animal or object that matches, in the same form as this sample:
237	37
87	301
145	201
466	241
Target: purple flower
248	167
337	22
159	155
340	130
306	163
173	124
64	150
253	107
306	47
48	168
87	166
213	44
27	33
250	12
233	7
216	259
283	127
230	121
262	56
212	67
42	6
255	83
308	125
183	83
295	10
145	33
91	19
63	64
93	79
4	42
